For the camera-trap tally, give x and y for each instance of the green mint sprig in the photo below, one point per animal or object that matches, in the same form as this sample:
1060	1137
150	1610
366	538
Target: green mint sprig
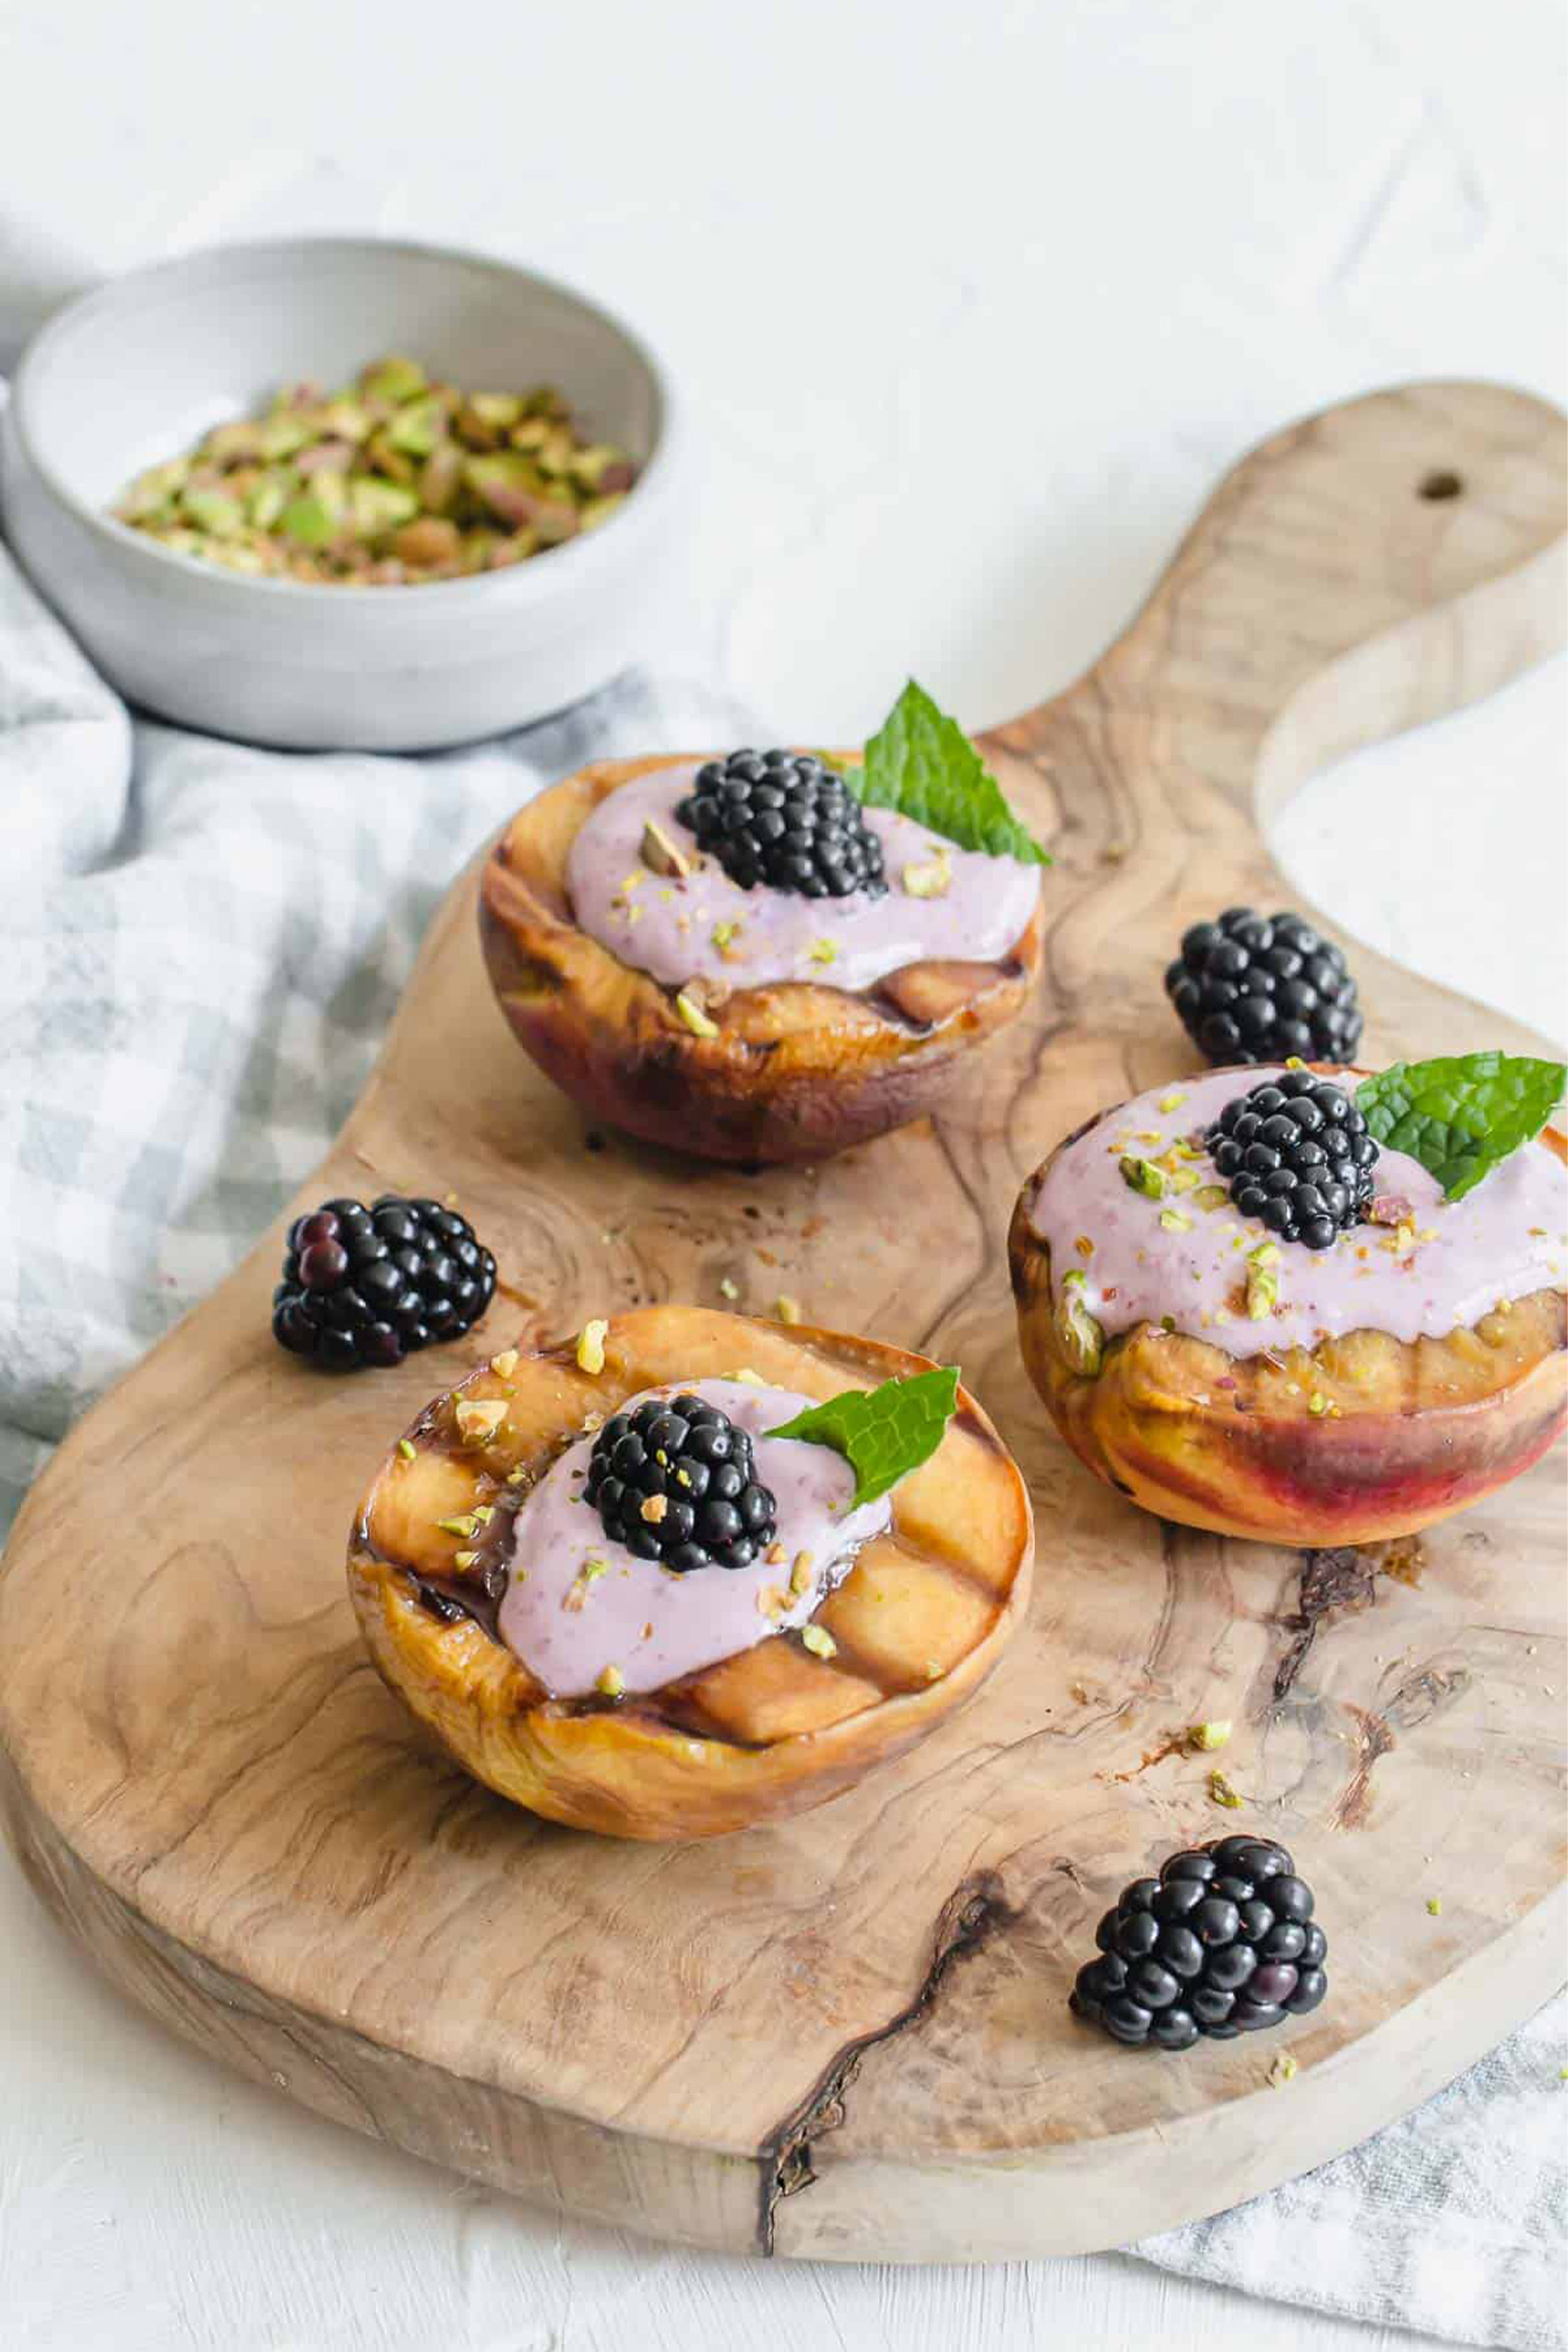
1462	1114
921	764
884	1434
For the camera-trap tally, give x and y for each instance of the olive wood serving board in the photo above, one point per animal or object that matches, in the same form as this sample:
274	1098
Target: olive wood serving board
846	2035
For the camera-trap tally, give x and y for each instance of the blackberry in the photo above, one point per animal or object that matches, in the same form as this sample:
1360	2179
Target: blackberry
1296	1153
676	1482
1223	1943
1260	988
785	819
368	1286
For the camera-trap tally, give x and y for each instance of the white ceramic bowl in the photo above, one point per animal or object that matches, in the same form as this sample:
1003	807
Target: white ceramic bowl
135	371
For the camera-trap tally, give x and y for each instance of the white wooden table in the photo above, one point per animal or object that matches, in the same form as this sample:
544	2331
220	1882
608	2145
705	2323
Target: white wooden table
972	304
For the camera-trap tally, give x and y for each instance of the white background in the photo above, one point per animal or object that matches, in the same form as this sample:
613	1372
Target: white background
972	302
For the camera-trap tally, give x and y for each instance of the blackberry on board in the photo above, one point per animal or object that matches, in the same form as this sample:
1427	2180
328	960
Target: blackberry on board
676	1481
1223	1943
369	1286
786	819
1296	1153
1261	988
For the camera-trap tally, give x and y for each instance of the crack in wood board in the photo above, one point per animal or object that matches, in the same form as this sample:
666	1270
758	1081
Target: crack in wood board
975	1911
1341	1577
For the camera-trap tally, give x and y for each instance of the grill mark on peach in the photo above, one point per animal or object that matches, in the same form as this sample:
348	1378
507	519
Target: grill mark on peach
957	1572
847	1659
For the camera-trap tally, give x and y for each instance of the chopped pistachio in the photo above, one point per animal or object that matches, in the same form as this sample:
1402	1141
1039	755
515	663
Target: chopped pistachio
1171	1102
478	1419
823	951
819	1641
215	512
464	1559
726	1288
753	1379
1262	1281
930	878
800	1573
695	1019
787	1309
374	506
393	379
394	481
1174	1221
505	1364
662	854
1209	1198
1079	1335
1284	2070
723	936
653	1508
609	1682
1142	1176
1435	1905
464	1527
405	1448
575	1599
1208	1735
590	1345
933	1669
1222	1793
1318	1404
771	1603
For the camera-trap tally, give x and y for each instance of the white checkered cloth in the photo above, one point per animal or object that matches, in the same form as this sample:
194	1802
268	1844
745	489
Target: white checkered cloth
200	947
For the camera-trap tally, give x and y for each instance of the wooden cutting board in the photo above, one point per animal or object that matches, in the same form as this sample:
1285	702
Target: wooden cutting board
847	2036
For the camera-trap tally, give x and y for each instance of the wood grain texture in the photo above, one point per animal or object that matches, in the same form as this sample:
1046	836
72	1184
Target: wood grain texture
846	2036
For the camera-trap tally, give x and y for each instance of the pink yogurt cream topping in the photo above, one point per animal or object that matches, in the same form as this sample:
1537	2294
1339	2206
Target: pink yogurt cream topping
665	927
634	1614
1504	1240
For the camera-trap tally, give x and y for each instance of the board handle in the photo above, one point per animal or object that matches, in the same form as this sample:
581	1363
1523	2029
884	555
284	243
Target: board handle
1363	571
1394	557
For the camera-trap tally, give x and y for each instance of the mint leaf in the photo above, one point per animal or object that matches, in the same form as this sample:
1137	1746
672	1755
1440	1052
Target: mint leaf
1459	1116
921	764
883	1432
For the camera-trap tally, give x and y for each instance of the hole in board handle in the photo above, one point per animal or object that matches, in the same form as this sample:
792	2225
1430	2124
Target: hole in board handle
1442	484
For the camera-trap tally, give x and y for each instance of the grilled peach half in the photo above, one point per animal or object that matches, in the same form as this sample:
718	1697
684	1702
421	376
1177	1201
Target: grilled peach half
1360	1438
795	1071
916	1626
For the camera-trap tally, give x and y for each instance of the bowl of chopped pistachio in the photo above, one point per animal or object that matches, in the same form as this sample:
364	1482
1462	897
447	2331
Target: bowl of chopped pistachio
340	493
